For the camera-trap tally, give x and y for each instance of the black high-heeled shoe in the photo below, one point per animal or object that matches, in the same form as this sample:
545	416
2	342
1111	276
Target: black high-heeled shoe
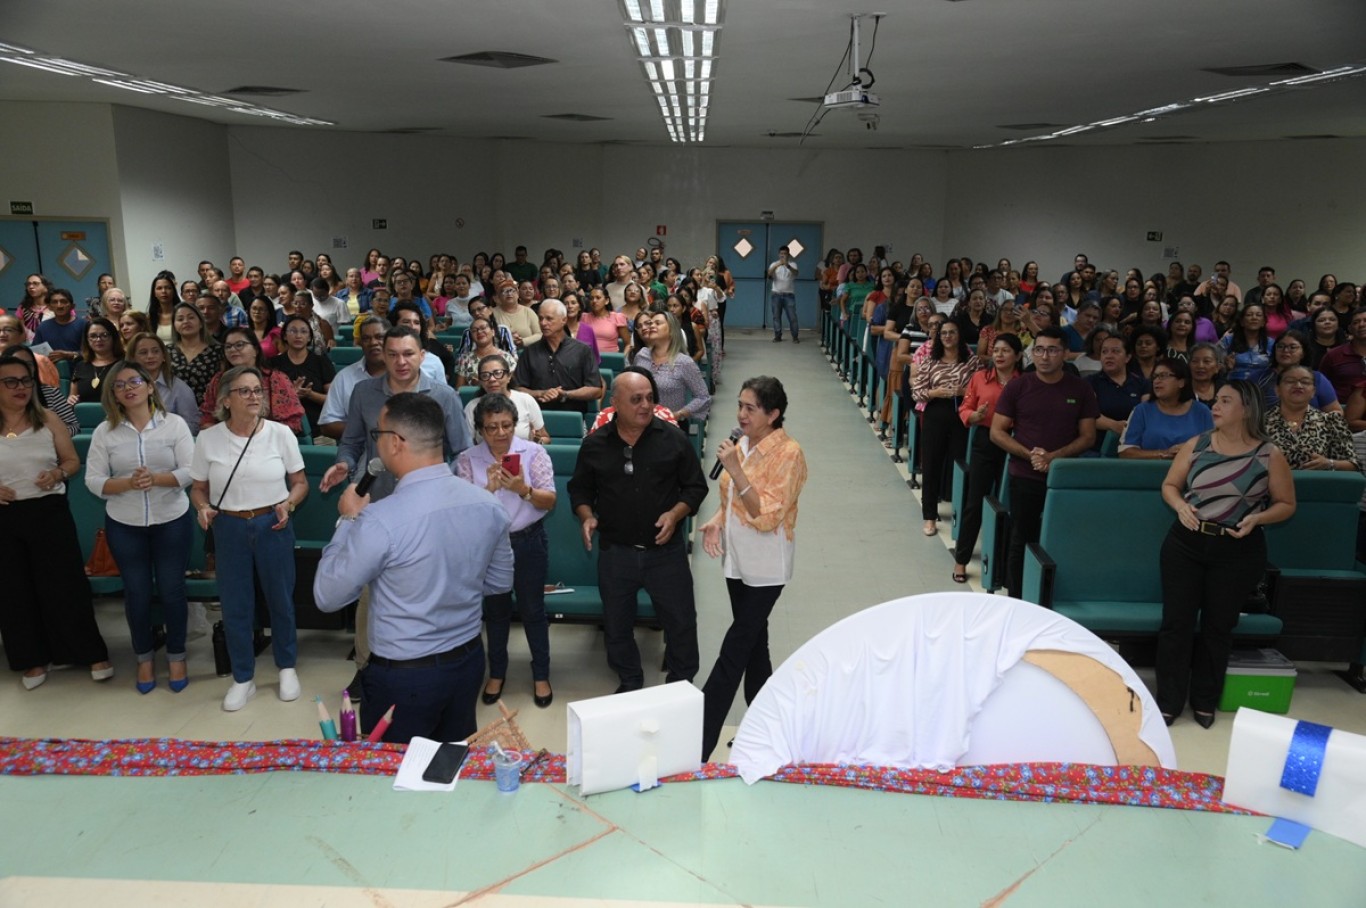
1204	720
490	699
1169	719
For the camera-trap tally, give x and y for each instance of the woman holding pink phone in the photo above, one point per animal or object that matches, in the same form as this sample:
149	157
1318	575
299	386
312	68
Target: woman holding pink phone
520	475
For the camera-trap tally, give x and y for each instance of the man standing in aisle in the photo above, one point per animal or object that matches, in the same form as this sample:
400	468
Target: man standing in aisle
783	296
1040	417
429	553
636	481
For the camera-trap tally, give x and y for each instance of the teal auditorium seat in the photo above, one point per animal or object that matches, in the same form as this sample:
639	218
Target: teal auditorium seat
614	361
1097	559
565	427
89	415
87	510
467	393
996	534
571	566
1316	585
344	356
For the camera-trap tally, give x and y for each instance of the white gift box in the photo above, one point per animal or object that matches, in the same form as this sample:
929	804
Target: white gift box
622	739
1256	759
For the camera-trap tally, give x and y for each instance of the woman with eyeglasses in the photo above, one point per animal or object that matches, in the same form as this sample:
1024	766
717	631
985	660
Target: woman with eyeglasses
196	356
519	474
50	396
1293	349
139	463
262	317
101	347
1157	428
281	403
1310	438
248	479
311	373
496	378
149	352
484	338
48	616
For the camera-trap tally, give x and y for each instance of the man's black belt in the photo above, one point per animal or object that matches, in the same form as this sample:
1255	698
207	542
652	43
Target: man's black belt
428	661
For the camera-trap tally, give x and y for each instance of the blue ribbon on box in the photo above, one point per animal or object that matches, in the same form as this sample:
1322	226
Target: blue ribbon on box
1304	761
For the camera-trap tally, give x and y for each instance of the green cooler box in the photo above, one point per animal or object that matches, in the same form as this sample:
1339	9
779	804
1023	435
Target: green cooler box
1258	679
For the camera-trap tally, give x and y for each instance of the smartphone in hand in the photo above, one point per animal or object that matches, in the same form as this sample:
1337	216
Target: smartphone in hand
512	463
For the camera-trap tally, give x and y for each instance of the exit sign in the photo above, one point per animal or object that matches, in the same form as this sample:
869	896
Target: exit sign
21	208
379	224
1154	236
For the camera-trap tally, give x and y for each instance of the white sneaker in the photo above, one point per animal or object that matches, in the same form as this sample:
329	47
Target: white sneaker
238	695
289	684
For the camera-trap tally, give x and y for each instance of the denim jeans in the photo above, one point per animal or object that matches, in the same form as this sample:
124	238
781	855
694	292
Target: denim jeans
666	576
160	552
434	701
531	558
247	547
784	302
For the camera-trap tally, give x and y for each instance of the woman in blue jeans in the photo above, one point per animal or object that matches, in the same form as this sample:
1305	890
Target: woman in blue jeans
139	463
248	479
520	475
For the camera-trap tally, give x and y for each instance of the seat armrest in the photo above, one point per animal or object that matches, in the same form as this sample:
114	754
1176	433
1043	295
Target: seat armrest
1040	570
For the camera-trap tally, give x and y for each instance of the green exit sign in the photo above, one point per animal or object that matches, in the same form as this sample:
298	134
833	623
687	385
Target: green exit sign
21	208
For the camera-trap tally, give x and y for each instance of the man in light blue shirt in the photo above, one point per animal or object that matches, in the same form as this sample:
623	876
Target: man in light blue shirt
370	338
431	552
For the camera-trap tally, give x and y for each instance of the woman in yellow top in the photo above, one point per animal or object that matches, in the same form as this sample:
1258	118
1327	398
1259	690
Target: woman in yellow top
753	531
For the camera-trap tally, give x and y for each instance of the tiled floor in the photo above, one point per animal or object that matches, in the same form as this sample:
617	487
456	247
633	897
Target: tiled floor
859	544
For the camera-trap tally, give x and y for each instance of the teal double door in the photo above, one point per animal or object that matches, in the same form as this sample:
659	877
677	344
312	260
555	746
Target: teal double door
71	253
749	247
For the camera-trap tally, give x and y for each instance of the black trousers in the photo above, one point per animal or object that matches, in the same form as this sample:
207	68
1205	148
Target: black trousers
943	438
47	614
1026	520
984	475
664	573
744	652
1205	580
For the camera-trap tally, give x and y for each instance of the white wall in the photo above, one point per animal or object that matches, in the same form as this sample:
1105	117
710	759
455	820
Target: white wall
1295	205
61	158
174	184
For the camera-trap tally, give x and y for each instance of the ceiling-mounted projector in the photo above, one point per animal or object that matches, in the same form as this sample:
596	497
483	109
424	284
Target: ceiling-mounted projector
852	97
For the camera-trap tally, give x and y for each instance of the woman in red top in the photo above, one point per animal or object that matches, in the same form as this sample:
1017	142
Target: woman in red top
985	460
281	403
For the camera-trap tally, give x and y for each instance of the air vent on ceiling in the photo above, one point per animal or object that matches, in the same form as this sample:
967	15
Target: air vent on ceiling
1325	135
1025	127
498	59
408	130
265	91
789	135
574	118
1263	69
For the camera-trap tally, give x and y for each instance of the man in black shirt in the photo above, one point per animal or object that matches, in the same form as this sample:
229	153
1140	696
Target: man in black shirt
636	481
561	372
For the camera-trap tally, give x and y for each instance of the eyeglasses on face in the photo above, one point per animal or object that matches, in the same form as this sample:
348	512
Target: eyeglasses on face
376	433
129	383
97	336
236	345
257	391
16	383
1164	376
493	374
1047	351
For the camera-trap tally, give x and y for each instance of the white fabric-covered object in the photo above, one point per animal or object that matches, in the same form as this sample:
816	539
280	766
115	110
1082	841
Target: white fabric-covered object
901	684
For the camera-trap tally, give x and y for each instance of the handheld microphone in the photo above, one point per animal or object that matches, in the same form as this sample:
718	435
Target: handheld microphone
372	469
734	436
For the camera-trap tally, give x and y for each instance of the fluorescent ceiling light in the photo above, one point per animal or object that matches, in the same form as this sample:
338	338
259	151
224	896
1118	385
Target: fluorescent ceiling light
13	49
711	9
651	71
1164	109
1230	95
689	43
662	41
642	41
1115	121
657	10
34	64
1338	73
128	86
666	67
688	11
633	10
708	40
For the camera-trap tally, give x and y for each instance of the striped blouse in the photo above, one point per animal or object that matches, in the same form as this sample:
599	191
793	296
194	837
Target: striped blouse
1225	488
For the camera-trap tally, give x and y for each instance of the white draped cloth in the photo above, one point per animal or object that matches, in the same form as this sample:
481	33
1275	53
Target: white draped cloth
900	685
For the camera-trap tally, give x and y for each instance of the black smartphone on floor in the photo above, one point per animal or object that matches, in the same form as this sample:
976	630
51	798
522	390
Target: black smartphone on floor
445	763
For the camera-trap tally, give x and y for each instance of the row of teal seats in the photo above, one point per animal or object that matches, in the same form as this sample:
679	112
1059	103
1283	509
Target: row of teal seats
1097	560
344	336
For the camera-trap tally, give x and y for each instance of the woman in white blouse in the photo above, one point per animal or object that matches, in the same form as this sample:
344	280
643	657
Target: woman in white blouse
139	463
248	479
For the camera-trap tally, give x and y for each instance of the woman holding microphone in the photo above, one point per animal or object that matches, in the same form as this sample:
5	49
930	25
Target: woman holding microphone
753	532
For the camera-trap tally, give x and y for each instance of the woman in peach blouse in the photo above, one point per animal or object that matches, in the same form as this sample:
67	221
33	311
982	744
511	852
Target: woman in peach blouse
753	532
